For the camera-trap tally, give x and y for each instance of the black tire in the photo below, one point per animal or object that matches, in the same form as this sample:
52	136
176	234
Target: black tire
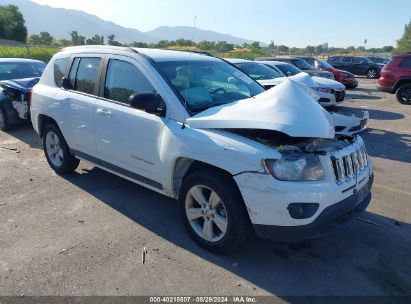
404	94
372	74
4	125
238	221
69	163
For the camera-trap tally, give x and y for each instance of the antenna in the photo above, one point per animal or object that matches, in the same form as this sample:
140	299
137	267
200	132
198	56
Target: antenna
189	65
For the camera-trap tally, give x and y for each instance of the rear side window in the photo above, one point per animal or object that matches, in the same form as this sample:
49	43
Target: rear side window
87	74
406	63
60	66
124	79
83	74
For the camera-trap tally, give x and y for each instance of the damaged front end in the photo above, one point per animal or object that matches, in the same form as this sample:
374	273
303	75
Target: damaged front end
15	98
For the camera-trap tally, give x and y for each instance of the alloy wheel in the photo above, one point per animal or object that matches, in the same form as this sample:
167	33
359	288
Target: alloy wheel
54	149
206	213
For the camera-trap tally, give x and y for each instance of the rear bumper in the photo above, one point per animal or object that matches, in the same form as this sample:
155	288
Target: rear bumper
385	89
331	219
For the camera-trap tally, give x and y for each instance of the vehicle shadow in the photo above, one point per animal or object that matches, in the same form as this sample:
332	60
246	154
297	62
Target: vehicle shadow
374	114
369	257
25	133
388	145
351	96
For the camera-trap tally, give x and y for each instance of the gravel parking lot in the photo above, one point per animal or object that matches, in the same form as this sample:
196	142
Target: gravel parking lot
84	234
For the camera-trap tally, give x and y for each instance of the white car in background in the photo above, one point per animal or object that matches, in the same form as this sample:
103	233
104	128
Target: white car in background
268	75
331	92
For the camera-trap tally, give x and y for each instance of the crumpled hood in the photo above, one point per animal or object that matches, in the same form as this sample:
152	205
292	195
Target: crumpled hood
305	79
328	83
286	108
24	84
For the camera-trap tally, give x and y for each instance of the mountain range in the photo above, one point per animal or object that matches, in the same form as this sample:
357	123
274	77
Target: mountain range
59	22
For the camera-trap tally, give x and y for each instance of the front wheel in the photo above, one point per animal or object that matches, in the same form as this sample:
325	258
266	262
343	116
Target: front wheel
404	94
57	152
213	211
372	73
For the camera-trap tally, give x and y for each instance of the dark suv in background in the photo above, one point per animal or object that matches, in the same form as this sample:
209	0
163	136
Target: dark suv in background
356	65
301	64
396	78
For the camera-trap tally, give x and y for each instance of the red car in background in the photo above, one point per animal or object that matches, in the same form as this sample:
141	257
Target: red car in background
346	78
395	78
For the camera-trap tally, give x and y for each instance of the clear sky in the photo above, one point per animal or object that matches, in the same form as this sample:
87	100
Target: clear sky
290	22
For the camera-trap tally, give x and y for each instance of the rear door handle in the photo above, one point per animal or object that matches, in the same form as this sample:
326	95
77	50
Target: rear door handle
104	112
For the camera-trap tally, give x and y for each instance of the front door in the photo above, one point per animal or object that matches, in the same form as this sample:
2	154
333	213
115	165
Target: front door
128	140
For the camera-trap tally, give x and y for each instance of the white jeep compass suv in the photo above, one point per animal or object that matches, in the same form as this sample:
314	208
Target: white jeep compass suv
195	128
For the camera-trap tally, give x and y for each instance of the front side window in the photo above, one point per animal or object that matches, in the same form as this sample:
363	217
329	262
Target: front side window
203	84
302	64
288	69
124	79
358	60
258	71
60	66
346	60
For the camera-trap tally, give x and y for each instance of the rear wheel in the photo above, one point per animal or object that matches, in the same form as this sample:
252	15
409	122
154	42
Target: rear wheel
404	94
57	152
4	125
372	73
213	211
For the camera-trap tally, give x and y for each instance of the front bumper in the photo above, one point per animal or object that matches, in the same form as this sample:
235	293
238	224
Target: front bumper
331	219
331	99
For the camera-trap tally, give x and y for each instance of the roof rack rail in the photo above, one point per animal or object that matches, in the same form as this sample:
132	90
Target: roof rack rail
196	52
97	46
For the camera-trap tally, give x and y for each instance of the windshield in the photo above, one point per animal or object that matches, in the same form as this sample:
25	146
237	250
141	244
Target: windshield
324	64
208	83
258	71
18	70
288	69
302	64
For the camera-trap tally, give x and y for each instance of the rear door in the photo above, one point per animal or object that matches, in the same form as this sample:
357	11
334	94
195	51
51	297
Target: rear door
128	140
78	103
345	64
360	66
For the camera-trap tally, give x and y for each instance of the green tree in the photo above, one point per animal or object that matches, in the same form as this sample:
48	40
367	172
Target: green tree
139	44
223	47
255	47
77	39
95	40
309	49
111	40
206	45
387	49
12	24
283	48
185	42
44	38
404	44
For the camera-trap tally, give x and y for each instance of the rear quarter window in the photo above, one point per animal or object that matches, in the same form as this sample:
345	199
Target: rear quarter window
60	66
406	63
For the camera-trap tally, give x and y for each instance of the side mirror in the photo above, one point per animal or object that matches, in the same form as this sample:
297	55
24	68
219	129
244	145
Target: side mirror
66	84
288	73
232	80
149	102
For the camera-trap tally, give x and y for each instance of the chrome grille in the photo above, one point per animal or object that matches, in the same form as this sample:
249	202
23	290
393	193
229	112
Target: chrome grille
350	165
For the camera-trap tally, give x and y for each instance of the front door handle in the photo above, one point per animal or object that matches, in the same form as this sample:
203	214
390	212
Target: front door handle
104	112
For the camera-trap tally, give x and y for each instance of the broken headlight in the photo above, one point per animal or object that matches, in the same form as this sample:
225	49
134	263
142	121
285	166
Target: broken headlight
296	167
